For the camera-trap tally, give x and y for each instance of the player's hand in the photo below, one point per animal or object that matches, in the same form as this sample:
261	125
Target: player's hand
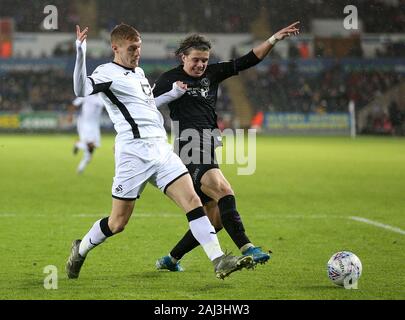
81	35
181	85
291	30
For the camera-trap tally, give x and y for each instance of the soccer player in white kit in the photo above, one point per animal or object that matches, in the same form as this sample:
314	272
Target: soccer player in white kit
88	127
142	153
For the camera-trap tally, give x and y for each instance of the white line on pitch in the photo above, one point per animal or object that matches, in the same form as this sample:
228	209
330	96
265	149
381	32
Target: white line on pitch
173	214
87	215
135	214
6	215
378	224
260	216
301	216
12	215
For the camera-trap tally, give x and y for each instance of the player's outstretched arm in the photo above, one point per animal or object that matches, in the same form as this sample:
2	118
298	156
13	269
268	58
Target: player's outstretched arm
81	84
178	89
262	50
258	53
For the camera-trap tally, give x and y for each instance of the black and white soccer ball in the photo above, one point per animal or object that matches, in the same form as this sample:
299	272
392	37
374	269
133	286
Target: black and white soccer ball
344	268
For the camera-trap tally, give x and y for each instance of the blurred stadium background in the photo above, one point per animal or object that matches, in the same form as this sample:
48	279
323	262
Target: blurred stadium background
301	203
305	86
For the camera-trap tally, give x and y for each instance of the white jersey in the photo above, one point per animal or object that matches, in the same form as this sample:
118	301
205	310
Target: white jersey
88	122
91	109
129	101
132	108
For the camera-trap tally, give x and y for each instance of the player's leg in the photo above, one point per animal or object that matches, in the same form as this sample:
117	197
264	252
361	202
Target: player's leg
87	156
212	211
183	194
187	243
109	226
215	185
80	144
76	147
173	178
98	233
127	186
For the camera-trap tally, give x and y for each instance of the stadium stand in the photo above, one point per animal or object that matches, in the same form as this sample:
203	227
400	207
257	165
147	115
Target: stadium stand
230	16
279	84
330	91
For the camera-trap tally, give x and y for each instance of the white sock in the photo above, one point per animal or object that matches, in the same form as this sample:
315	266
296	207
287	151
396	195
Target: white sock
92	239
85	160
205	234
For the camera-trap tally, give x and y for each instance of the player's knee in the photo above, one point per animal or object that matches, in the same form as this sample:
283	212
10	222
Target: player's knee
189	201
221	189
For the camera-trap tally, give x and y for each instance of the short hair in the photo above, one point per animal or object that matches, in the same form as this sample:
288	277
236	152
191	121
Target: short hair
196	42
124	32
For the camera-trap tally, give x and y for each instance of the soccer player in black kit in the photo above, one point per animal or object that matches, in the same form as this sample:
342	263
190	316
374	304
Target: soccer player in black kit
196	110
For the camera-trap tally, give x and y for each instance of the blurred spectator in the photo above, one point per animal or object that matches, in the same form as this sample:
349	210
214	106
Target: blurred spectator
319	49
293	51
392	49
66	49
329	91
382	124
396	116
303	49
257	121
49	90
356	50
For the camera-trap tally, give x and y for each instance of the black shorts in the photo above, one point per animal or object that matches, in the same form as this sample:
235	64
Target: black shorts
196	172
204	160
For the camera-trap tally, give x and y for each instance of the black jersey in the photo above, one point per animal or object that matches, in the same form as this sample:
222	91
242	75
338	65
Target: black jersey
196	108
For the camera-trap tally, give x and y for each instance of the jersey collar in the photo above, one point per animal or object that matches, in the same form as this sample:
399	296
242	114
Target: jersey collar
126	68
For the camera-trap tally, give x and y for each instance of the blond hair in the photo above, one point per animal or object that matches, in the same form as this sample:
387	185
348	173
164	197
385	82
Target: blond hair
124	32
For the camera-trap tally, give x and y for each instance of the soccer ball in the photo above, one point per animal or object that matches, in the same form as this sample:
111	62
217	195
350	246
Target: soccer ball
344	269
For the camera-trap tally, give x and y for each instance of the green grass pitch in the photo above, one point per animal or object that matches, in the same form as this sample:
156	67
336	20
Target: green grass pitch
298	204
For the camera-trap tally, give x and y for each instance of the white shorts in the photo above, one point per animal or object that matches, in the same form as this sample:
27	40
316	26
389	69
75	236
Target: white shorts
89	133
144	160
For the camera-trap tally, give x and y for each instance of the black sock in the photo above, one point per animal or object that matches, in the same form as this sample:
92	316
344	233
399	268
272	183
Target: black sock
232	221
185	245
105	228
